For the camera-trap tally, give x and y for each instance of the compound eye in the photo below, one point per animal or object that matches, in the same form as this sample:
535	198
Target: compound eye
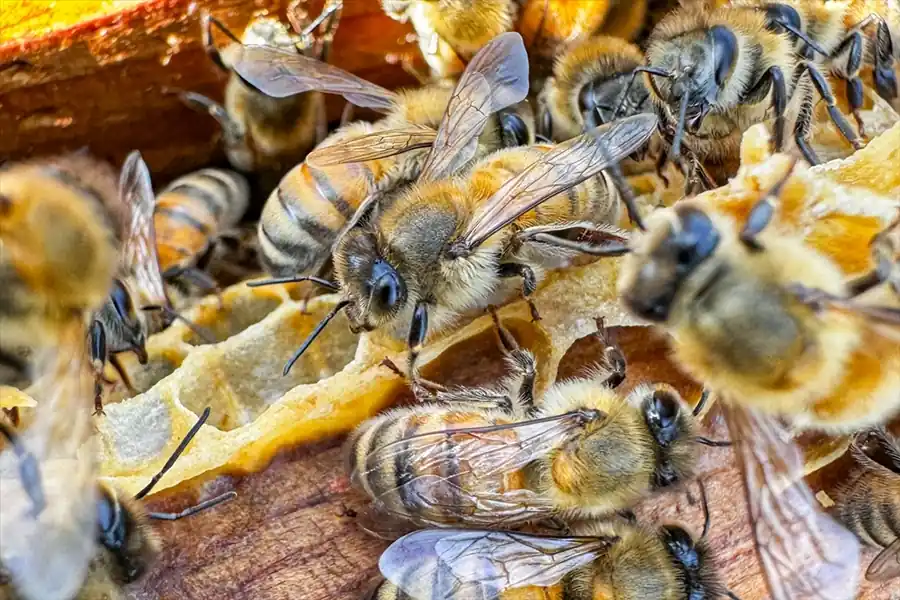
515	131
697	239
387	287
666	408
121	300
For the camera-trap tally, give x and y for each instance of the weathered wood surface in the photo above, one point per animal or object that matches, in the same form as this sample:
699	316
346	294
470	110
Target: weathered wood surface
288	534
101	83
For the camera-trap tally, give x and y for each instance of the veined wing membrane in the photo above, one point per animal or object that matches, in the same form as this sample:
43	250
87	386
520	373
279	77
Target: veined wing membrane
372	146
139	258
279	73
561	168
805	554
445	564
48	526
886	565
495	78
463	473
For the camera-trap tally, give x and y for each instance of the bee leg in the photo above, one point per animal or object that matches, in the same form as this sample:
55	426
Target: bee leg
854	44
231	129
206	23
99	355
407	64
762	212
529	283
123	374
612	355
883	73
661	162
801	135
523	365
415	339
824	91
347	114
772	79
29	470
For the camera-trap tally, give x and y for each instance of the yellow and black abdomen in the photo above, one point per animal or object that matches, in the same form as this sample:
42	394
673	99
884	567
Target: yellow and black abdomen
430	478
193	210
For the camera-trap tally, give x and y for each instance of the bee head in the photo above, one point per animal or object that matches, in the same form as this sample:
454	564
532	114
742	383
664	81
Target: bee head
374	287
667	257
604	99
120	532
692	559
671	426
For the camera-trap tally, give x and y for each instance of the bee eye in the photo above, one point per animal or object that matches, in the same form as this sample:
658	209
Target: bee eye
386	287
515	131
661	412
121	300
697	239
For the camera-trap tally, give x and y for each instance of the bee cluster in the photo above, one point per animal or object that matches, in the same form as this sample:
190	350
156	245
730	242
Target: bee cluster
565	167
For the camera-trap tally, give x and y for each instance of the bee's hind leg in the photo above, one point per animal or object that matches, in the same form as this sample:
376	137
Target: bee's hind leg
529	283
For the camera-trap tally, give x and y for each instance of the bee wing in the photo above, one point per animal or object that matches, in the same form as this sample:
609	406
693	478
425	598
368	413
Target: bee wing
48	526
805	554
280	73
372	146
445	465
444	564
886	565
139	258
495	78
561	168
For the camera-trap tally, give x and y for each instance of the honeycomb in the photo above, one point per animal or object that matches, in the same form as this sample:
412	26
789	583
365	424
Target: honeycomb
339	381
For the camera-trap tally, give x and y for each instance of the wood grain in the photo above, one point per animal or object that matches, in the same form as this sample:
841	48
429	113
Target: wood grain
101	83
288	534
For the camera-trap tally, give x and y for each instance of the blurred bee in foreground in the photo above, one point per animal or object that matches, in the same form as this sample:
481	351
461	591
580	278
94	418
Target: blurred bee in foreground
867	500
63	534
712	73
345	178
766	322
604	559
59	223
495	457
261	133
137	304
840	38
191	216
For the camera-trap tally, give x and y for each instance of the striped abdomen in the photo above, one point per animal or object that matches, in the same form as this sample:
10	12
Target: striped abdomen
305	213
428	478
869	505
194	209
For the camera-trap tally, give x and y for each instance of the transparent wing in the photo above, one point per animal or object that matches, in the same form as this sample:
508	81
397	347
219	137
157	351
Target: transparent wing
372	146
561	168
47	484
140	261
467	475
886	565
279	73
447	564
805	554
495	78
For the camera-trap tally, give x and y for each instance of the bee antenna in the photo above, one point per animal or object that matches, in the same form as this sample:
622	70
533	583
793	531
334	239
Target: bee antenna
704	503
315	333
173	315
625	190
177	453
675	150
713	443
701	404
328	285
193	510
652	71
732	595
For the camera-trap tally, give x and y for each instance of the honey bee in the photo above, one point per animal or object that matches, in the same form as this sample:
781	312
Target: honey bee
840	40
451	33
867	500
495	457
443	247
327	194
59	223
604	559
263	134
137	304
712	73
66	535
767	323
189	216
